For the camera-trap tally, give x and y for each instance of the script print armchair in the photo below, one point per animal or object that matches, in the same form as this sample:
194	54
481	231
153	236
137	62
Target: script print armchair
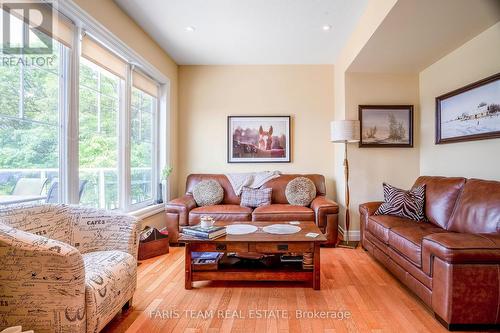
65	268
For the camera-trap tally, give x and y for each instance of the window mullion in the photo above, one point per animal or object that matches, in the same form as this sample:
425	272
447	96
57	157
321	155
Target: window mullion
72	161
124	141
63	110
155	135
99	102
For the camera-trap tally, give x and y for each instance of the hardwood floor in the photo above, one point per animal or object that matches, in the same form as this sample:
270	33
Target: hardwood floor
353	285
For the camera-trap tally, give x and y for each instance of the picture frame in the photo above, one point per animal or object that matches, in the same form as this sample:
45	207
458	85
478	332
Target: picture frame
469	113
386	126
258	139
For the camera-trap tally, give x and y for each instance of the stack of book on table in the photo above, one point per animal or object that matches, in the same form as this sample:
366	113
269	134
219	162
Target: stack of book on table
205	261
197	231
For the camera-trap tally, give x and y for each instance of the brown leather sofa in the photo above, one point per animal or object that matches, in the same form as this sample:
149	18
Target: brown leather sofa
183	211
451	261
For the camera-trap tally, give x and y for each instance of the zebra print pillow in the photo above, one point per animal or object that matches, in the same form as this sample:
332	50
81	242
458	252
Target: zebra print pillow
409	204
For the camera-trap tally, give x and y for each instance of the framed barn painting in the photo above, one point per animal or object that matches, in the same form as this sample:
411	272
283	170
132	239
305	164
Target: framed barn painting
469	113
384	126
258	139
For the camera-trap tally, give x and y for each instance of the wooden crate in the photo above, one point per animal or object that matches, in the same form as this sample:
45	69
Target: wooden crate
153	248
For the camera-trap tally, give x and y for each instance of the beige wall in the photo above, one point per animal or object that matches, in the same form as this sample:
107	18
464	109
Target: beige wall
122	26
208	94
475	60
370	167
374	14
156	220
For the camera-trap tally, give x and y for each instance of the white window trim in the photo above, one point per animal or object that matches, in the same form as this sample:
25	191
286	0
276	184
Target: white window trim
148	211
85	22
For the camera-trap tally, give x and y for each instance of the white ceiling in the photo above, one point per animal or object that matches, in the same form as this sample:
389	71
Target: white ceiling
415	34
247	31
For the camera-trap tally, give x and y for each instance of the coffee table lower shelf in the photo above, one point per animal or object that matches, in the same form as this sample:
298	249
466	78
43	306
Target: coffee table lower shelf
254	274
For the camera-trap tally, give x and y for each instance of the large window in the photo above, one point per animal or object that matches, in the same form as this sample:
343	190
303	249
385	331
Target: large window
31	102
99	149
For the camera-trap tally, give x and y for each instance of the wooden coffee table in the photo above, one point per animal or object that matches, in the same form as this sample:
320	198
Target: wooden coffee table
259	242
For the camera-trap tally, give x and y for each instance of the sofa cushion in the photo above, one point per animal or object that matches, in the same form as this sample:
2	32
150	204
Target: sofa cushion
398	202
221	213
300	191
279	185
208	192
478	208
110	280
229	196
282	212
441	194
407	240
379	225
255	197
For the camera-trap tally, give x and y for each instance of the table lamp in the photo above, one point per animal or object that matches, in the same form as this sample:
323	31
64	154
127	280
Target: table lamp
345	131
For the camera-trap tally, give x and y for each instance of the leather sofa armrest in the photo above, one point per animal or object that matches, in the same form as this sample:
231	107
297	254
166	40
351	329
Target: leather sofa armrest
369	208
460	248
326	213
184	202
366	210
181	206
323	202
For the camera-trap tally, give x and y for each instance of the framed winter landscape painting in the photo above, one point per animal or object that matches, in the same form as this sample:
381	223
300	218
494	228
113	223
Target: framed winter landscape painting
258	139
386	126
469	113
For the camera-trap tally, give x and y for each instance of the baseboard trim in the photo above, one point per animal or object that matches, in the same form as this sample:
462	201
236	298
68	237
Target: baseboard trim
354	235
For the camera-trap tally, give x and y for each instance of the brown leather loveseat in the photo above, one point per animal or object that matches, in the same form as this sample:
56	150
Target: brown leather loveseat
451	261
183	211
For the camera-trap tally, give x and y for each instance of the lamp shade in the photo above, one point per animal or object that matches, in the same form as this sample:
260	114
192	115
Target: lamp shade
344	131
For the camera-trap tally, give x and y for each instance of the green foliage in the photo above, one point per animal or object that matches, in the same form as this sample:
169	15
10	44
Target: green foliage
165	173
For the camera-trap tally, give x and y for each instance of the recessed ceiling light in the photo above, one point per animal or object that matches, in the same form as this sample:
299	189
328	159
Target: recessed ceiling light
191	28
327	27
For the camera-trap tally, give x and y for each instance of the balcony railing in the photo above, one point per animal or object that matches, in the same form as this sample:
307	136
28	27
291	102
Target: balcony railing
100	188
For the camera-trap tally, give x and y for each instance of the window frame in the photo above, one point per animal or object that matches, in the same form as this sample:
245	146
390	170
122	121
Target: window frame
155	165
124	139
101	71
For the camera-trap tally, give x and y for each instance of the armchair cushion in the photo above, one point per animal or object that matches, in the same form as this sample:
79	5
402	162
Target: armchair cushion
282	212
87	229
110	279
102	230
40	276
459	248
50	221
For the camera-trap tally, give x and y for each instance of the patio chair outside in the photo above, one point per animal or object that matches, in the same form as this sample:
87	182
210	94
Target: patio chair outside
29	186
53	194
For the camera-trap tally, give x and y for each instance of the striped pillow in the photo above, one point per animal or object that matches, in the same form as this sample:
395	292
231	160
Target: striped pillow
251	197
409	204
